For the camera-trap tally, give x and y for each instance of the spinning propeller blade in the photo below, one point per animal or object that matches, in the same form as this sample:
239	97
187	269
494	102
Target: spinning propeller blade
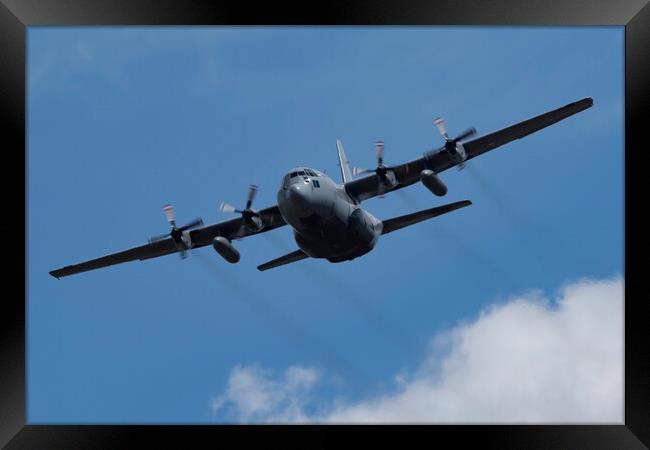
247	212
465	134
176	233
385	175
440	123
356	171
169	213
226	208
157	238
193	224
379	151
252	190
451	145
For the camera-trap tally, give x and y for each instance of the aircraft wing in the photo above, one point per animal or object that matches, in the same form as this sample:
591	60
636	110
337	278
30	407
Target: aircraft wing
200	237
439	160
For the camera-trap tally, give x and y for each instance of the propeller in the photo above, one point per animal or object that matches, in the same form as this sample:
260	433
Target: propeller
381	170
451	144
176	232
251	217
379	151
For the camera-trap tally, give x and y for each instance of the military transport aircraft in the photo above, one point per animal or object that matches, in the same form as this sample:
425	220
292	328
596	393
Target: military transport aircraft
326	218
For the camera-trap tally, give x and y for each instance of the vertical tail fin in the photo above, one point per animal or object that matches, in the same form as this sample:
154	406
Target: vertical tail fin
343	162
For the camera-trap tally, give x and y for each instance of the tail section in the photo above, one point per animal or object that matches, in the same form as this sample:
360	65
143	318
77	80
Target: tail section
343	162
404	221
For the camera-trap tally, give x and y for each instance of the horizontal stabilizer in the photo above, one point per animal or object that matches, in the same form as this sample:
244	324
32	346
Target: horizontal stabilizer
410	219
282	260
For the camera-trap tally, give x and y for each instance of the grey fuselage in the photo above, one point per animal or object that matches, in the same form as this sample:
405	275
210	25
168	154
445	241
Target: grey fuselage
327	222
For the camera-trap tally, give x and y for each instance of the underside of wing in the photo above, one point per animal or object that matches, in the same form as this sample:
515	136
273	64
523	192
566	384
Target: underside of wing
396	223
230	229
438	160
159	248
236	228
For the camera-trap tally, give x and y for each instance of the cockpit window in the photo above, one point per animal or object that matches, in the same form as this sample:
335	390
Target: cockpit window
305	173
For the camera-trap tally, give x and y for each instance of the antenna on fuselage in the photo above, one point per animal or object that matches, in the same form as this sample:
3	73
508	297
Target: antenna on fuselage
343	162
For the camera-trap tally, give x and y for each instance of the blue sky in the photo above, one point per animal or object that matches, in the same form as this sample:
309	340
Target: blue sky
124	120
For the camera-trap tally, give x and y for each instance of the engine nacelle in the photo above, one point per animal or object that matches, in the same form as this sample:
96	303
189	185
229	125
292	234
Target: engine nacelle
433	182
225	249
390	180
187	239
254	223
459	154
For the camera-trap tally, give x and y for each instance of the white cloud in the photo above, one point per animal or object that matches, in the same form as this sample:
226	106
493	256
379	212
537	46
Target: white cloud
525	361
253	396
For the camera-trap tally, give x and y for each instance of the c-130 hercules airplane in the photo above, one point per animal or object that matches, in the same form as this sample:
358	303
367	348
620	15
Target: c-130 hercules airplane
326	217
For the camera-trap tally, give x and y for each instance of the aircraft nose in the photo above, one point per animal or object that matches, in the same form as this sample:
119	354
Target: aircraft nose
298	196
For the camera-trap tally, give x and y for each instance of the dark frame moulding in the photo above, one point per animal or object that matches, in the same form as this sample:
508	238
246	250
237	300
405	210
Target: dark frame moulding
634	15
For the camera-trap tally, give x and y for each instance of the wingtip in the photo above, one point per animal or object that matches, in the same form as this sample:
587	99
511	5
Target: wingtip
463	204
584	103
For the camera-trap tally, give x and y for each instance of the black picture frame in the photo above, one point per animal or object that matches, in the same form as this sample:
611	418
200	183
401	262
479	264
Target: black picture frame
17	15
